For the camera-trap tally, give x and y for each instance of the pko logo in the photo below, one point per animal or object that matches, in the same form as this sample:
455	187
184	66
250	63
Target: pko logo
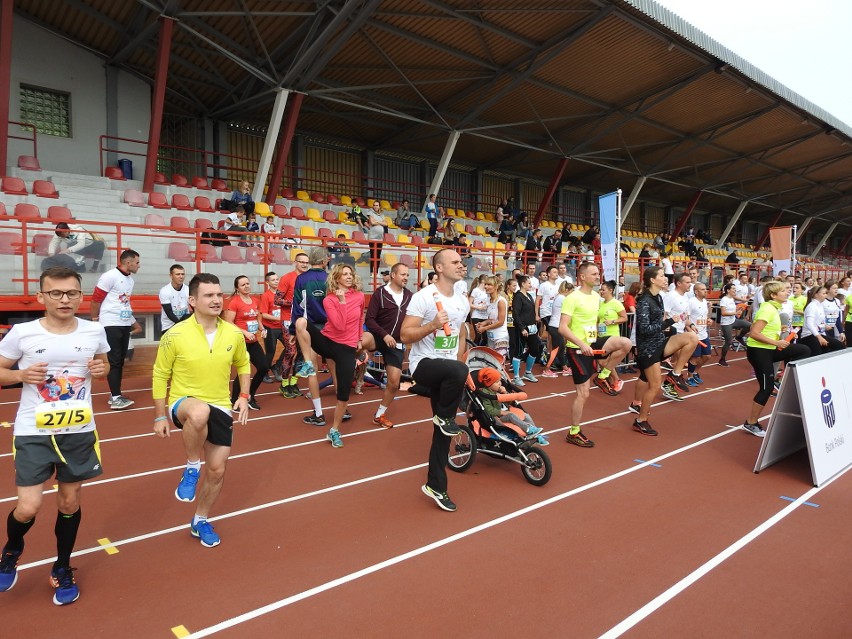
827	406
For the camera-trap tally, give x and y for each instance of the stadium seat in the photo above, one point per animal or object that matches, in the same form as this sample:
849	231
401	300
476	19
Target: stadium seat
181	202
207	253
314	215
203	204
179	180
10	244
325	233
332	199
307	231
254	255
27	211
280	210
58	213
330	216
261	209
359	236
154	219
319	198
179	251
360	201
135	198
200	183
13	186
203	223
345	200
2	209
477	244
303	196
288	194
297	213
41	242
114	173
28	163
416	240
389	238
480	216
232	254
158	200
342	232
179	222
220	185
343	218
386	206
402	238
389	259
288	230
278	255
160	178
44	188
407	260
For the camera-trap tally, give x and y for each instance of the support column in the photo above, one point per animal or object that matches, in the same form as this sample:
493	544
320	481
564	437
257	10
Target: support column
111	112
6	17
158	97
290	119
551	189
443	164
631	199
765	235
824	239
269	144
845	243
678	227
731	224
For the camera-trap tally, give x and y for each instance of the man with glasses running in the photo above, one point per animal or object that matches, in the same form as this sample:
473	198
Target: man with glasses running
57	357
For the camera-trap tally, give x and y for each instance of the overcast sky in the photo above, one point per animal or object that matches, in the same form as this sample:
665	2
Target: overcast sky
803	45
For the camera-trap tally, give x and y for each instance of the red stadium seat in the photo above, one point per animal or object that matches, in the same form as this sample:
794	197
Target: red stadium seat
416	240
208	254
28	163
181	202
325	232
203	223
180	252
158	200
389	238
114	173
160	178
220	185
288	194
10	244
154	219
200	183
468	228
280	210
59	213
133	197
44	188
203	204
289	231
13	186
232	255
359	201
332	199
179	222
278	255
179	180
297	213
319	198
330	216
41	242
407	260
254	255
359	236
27	211
2	209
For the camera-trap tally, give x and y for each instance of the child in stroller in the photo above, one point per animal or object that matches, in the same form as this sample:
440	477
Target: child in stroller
496	402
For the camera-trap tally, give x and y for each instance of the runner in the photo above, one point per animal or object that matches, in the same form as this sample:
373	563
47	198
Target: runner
174	299
557	362
699	311
729	322
676	306
196	356
765	348
110	306
813	331
437	339
284	369
494	328
54	427
579	327
243	312
385	314
611	314
799	300
655	340
526	329
270	319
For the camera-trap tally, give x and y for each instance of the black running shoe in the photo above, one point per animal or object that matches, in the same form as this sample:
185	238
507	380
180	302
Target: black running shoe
723	363
442	499
252	404
634	408
644	428
313	420
678	381
446	426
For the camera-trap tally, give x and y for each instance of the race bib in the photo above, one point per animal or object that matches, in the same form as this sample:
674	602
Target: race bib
446	345
532	329
601	328
701	322
63	416
591	333
252	326
276	313
798	318
125	314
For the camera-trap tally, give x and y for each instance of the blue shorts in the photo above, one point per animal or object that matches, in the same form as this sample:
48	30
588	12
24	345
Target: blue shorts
700	350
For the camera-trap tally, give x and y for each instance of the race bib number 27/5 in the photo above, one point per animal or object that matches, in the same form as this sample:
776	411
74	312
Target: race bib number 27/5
58	416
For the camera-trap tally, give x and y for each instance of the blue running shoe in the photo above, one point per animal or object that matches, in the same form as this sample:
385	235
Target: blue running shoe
65	588
541	440
334	437
306	370
9	569
534	430
186	488
697	378
204	531
691	382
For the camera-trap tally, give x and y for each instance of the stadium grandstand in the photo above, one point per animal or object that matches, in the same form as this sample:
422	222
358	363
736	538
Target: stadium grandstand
138	120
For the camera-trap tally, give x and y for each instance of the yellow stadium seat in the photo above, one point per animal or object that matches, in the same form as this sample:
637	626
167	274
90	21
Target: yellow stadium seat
480	230
402	238
344	217
389	258
262	208
500	264
341	232
294	252
489	244
386	206
370	201
345	200
315	216
307	231
489	217
451	212
480	216
500	246
459	227
389	223
574	227
303	195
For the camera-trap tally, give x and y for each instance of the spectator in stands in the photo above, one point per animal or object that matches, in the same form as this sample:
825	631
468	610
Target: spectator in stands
431	211
596	243
700	258
240	197
268	228
357	216
254	227
339	251
533	248
499	215
375	235
522	229
430	278
658	243
552	247
405	219
733	258
589	235
506	232
77	243
234	223
451	234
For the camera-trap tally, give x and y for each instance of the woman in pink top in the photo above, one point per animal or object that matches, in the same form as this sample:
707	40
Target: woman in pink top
337	342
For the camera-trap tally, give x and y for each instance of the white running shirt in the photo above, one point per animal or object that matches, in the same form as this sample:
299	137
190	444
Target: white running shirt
437	345
698	312
677	308
115	309
179	301
547	292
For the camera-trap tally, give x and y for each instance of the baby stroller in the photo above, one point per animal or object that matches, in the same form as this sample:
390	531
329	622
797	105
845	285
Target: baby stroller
480	435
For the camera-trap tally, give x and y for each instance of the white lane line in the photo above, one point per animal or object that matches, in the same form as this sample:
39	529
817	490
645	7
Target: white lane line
329	585
664	597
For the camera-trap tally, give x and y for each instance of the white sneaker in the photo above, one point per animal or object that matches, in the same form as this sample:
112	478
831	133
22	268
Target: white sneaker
517	381
530	377
121	402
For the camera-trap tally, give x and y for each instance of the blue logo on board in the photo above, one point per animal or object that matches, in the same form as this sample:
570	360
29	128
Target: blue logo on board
827	405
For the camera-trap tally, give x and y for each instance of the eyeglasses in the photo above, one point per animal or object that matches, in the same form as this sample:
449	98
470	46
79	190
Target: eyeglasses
301	262
57	295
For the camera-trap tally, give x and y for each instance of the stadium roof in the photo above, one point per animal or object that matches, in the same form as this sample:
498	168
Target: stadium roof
623	88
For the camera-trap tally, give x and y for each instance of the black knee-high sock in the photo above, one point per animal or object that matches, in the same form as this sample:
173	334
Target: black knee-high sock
15	530
66	534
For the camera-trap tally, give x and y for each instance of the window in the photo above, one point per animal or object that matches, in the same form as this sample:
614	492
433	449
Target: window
49	111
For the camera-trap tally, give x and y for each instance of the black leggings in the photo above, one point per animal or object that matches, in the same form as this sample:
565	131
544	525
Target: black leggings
258	360
763	362
270	344
531	344
813	343
558	342
343	357
118	338
728	333
480	339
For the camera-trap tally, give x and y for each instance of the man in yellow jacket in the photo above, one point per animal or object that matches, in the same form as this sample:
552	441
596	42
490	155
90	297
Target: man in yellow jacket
197	355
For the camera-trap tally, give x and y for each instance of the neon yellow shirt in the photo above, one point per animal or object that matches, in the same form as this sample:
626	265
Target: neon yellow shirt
610	311
799	303
583	310
768	312
194	367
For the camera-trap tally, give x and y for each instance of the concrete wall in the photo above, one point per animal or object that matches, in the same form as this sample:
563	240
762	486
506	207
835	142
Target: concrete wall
43	60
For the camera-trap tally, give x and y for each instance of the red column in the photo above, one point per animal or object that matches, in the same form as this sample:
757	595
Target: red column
676	231
845	244
158	96
762	239
551	191
6	17
292	116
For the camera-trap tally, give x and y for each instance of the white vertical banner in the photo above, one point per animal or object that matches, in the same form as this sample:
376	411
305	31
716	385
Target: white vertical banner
609	208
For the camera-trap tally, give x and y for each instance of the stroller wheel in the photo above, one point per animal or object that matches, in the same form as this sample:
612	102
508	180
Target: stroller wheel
462	450
537	468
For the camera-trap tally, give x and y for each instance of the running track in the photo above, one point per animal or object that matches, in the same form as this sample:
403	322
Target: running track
687	541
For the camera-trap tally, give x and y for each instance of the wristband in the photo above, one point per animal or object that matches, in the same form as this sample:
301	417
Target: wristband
244	395
160	419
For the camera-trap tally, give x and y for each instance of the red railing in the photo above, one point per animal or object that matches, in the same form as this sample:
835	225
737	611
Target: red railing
32	138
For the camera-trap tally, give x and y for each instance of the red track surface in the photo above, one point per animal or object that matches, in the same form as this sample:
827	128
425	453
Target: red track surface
300	519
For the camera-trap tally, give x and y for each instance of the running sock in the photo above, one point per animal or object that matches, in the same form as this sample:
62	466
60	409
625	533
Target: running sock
15	531
530	363
193	465
690	367
317	407
198	518
114	397
516	367
66	534
574	429
380	411
605	372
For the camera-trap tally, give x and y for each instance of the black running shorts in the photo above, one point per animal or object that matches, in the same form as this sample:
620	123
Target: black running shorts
220	425
74	457
583	366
